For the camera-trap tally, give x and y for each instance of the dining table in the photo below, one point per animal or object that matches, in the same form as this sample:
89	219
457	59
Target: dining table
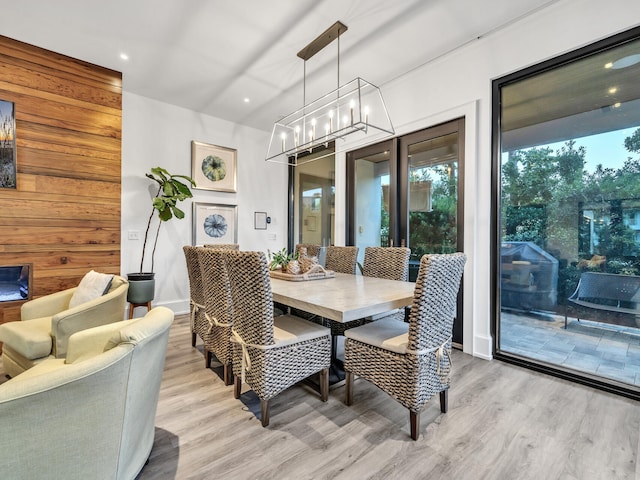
343	298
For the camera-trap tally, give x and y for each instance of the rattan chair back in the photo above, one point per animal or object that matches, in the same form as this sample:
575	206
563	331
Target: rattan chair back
387	262
341	259
196	289
251	296
215	325
217	291
435	300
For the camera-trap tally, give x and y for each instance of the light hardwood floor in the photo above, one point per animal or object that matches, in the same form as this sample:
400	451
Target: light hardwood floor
504	422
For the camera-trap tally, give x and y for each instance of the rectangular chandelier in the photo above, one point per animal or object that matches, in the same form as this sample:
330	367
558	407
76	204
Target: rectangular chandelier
354	110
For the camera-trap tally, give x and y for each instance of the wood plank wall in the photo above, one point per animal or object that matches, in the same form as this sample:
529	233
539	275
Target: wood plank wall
64	215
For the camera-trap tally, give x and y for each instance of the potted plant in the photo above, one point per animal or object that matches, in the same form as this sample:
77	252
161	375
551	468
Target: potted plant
171	190
282	259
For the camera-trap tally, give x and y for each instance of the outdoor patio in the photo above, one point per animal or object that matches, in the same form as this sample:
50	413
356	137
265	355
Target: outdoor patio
606	350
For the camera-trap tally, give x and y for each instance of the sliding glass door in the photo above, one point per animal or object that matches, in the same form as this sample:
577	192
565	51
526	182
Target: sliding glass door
567	250
407	191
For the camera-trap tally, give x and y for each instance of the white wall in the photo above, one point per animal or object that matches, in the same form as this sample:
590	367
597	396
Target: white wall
158	134
457	84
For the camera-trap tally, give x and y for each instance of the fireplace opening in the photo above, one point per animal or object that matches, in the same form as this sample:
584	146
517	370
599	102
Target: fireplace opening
15	282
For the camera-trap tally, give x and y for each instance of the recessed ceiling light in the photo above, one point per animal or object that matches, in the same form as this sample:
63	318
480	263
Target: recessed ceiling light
613	90
246	100
124	56
608	65
627	61
617	105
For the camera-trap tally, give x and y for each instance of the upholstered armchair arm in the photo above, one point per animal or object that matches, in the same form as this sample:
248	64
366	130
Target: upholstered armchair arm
106	309
89	343
46	306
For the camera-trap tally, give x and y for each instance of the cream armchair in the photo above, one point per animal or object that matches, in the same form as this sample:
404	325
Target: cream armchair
91	415
47	323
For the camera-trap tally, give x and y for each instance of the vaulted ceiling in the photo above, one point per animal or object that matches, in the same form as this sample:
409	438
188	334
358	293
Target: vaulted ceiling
211	55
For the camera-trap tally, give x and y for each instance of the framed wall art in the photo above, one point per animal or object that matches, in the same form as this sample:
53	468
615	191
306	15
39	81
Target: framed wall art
214	223
7	145
213	167
260	220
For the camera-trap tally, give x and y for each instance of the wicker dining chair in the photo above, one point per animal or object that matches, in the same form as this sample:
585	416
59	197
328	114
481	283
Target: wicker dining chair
312	249
217	319
196	290
411	361
391	263
222	246
386	262
270	354
341	259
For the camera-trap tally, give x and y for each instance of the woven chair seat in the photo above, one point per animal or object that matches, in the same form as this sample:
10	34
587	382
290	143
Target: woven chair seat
388	334
288	329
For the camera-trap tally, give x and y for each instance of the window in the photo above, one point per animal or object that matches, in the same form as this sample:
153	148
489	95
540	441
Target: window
312	205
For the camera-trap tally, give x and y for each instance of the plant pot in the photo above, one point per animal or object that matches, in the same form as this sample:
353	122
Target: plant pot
141	287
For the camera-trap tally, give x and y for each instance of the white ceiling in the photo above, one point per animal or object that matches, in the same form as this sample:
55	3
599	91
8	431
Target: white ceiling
209	55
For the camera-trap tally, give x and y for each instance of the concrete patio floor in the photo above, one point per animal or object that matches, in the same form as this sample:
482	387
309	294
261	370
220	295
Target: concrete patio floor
609	351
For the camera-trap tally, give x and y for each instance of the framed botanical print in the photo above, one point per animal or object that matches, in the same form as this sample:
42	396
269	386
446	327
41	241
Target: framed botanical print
213	167
214	223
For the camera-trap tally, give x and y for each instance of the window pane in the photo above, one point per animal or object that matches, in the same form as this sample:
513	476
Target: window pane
314	203
433	196
372	202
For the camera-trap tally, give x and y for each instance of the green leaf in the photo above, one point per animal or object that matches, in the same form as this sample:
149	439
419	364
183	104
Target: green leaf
189	179
165	214
182	188
161	172
177	212
168	189
159	203
148	175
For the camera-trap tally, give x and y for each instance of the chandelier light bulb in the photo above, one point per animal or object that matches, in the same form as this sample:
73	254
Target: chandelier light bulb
351	105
